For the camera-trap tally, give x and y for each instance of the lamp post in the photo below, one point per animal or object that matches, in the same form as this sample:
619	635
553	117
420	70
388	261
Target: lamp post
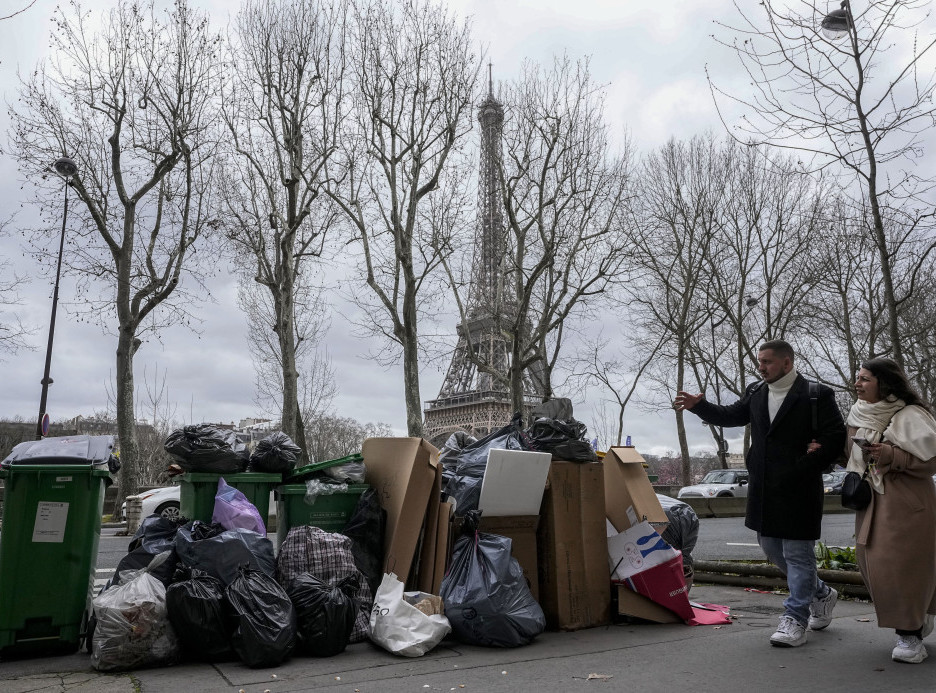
66	168
837	23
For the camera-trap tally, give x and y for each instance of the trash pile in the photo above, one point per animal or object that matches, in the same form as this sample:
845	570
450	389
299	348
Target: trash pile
490	542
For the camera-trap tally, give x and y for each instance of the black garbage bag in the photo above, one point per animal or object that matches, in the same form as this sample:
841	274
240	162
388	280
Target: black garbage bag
325	613
201	616
486	597
206	448
275	454
366	528
223	554
205	530
465	484
556	408
682	532
154	536
564	439
265	620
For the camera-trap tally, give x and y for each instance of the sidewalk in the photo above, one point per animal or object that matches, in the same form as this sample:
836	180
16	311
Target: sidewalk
853	654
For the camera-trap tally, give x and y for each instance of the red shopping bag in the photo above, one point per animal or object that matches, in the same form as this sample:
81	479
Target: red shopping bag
665	585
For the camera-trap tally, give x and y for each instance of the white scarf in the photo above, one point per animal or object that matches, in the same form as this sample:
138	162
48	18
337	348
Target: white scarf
777	392
912	429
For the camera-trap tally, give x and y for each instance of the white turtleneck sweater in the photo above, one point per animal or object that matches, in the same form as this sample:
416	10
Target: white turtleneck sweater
777	392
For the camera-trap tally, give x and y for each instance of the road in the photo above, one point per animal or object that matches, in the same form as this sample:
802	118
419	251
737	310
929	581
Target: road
724	538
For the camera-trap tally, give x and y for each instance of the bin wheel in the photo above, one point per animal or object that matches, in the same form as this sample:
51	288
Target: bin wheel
169	510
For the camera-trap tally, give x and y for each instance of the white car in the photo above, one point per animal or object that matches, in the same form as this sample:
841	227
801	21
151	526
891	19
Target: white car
718	483
164	501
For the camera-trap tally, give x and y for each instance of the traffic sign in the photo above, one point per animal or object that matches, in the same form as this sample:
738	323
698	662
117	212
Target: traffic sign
45	424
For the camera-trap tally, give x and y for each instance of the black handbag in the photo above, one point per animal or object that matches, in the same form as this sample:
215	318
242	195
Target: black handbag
856	491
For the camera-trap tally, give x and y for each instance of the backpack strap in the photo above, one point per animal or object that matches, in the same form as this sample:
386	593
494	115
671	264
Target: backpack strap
814	401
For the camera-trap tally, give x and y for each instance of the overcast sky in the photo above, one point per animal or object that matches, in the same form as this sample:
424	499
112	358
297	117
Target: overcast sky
652	56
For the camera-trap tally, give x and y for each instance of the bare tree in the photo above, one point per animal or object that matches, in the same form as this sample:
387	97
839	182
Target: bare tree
331	436
317	386
674	231
859	98
615	377
14	333
413	70
282	110
131	99
566	194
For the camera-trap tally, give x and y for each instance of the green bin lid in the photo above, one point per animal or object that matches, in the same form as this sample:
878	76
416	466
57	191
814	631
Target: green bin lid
308	470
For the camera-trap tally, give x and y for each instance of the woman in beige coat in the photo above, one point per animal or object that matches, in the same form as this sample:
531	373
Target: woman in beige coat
896	533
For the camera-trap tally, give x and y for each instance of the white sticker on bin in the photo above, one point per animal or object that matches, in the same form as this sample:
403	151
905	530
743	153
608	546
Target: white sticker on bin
62	479
51	519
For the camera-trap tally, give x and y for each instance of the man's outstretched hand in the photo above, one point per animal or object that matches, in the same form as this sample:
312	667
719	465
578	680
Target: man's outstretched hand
686	401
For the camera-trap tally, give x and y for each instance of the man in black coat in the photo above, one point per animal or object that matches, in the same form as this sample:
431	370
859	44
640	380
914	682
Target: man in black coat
785	464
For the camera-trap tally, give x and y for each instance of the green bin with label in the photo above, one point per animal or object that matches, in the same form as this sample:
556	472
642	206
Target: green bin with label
53	500
330	512
197	492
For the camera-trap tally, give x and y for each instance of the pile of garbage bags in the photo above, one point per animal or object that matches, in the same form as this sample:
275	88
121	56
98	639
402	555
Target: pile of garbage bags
553	429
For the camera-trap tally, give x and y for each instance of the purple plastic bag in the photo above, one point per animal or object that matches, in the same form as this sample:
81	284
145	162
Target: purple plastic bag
232	510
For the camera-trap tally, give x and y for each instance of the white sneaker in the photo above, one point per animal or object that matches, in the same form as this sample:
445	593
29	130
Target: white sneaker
789	633
820	611
927	625
909	648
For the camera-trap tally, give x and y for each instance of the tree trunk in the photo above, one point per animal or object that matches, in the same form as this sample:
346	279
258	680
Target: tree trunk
129	475
414	415
680	417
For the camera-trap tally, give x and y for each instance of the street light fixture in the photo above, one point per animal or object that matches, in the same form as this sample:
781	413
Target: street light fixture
66	168
837	23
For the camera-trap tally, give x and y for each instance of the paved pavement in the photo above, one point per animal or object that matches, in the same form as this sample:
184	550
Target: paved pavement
852	655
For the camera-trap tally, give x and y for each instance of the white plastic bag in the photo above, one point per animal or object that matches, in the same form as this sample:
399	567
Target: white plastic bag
398	626
133	628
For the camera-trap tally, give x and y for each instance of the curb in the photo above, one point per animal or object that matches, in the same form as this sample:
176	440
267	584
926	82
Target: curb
764	575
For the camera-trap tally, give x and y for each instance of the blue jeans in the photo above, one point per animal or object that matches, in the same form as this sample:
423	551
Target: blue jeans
796	559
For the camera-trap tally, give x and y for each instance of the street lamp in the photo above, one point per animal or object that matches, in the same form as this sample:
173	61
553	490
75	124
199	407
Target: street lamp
837	23
66	168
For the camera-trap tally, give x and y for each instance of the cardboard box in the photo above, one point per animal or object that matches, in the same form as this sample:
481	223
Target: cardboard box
630	603
629	495
521	530
573	571
403	471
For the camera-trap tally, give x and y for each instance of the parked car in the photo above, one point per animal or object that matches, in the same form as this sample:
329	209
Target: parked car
832	482
165	501
718	483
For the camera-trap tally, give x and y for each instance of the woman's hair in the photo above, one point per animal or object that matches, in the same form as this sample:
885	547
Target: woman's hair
893	381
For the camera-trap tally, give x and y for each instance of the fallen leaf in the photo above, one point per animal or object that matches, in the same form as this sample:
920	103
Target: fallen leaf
863	620
598	677
716	627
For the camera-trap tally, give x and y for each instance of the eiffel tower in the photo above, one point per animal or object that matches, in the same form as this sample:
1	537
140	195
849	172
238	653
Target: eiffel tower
471	399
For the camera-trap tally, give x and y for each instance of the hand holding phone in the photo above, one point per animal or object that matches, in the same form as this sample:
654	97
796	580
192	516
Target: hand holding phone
861	442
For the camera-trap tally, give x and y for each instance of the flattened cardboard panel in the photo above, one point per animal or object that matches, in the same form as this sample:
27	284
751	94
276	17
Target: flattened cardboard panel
403	471
443	544
430	533
513	482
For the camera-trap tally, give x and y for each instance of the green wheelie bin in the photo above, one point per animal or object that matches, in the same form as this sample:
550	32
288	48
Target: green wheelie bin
197	491
53	500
